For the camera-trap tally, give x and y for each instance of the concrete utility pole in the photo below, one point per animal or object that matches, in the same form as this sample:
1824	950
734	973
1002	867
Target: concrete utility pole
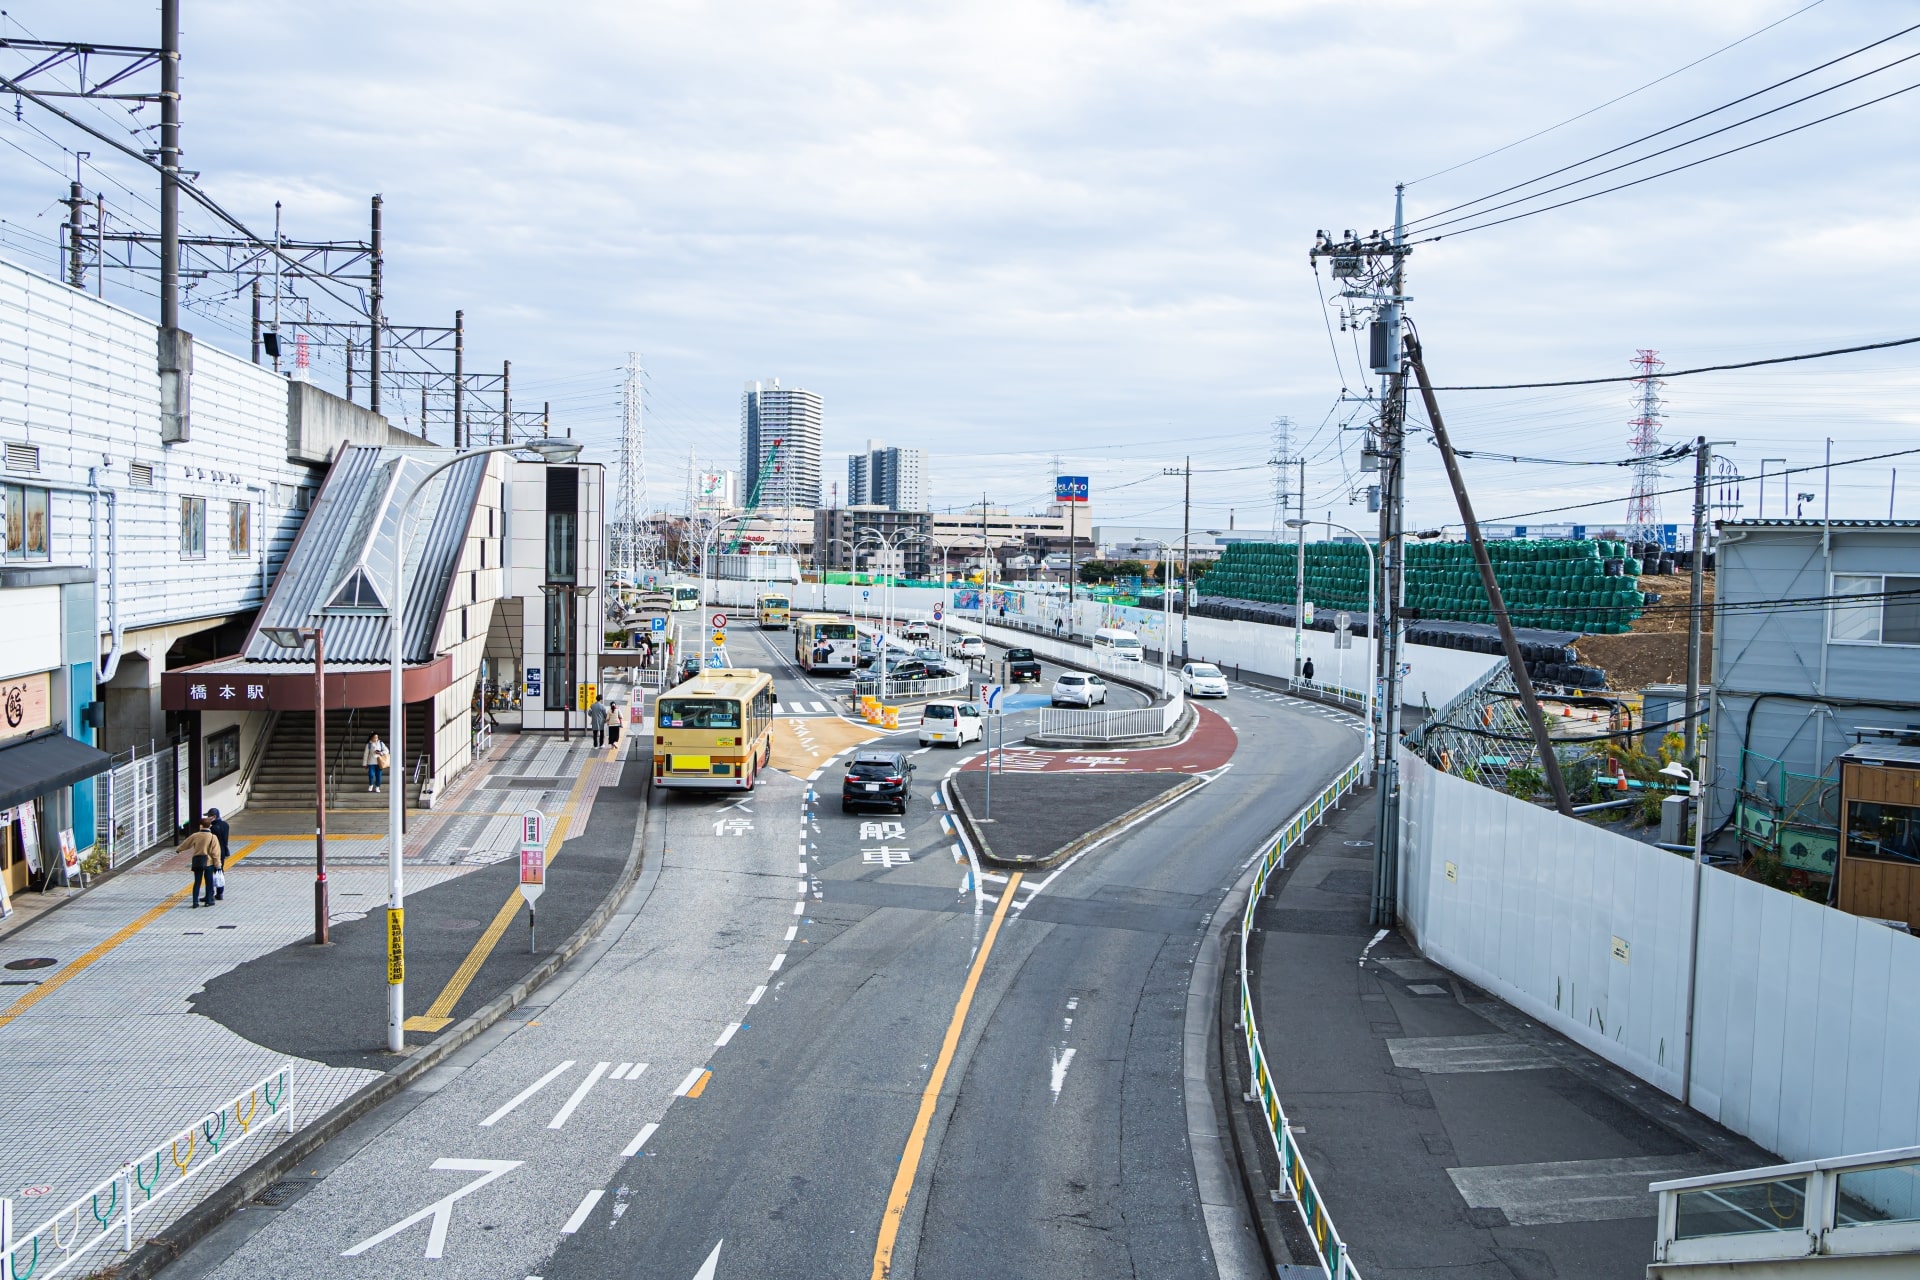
1696	594
1300	577
75	202
1516	662
506	402
256	317
169	164
377	321
1185	470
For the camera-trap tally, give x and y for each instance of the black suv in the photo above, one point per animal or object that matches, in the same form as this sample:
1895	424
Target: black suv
883	779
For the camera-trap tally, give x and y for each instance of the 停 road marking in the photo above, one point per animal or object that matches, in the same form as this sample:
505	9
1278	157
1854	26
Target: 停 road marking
525	1093
441	1210
896	1209
579	1217
566	1110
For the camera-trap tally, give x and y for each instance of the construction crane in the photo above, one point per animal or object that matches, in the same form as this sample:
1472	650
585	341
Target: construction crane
767	467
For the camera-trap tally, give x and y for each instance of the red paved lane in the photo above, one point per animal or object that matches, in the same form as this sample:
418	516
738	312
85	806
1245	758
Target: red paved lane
1210	745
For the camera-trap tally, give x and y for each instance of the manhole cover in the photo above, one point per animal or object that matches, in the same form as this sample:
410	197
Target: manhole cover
453	926
276	1193
33	962
1358	844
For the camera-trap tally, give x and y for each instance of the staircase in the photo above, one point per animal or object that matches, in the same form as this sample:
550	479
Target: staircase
284	777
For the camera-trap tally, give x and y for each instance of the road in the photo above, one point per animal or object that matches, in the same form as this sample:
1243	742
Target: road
813	994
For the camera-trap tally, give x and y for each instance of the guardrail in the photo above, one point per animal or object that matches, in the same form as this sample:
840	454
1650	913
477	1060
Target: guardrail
1299	1182
65	1238
1111	726
913	690
1864	1206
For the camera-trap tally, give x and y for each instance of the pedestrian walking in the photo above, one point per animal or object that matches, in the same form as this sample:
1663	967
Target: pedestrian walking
377	760
597	718
205	850
1306	669
224	834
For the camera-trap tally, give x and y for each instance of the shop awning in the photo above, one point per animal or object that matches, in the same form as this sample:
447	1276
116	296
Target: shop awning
46	763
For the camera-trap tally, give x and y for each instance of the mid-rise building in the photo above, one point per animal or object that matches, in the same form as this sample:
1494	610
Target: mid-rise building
874	539
887	477
780	445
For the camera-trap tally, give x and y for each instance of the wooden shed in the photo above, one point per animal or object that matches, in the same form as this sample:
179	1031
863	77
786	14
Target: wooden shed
1880	815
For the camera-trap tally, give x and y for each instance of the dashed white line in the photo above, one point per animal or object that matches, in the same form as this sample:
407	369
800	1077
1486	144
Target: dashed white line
524	1094
726	1035
620	1072
639	1141
777	962
580	1215
757	993
693	1078
799	907
803	886
561	1116
792	932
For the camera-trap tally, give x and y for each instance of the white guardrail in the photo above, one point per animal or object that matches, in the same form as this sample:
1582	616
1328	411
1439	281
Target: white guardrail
72	1232
1299	1182
1111	726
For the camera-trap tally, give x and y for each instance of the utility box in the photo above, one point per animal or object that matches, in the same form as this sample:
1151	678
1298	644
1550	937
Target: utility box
1673	820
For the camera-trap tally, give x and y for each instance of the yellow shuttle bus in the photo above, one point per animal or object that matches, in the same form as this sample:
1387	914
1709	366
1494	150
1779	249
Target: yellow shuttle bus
775	612
715	731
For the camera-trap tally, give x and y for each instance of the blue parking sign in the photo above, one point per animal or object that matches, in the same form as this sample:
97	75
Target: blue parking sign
659	624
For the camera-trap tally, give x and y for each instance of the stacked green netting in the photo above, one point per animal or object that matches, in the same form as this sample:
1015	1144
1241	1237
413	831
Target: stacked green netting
1551	583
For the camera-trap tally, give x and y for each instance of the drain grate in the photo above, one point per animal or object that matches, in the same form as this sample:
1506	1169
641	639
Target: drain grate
33	962
277	1193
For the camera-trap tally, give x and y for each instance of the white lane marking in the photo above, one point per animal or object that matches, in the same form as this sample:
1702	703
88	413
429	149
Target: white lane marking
1062	1059
799	907
711	1266
803	868
524	1094
758	991
639	1141
441	1210
792	930
620	1072
803	886
561	1116
579	1217
726	1035
693	1078
777	962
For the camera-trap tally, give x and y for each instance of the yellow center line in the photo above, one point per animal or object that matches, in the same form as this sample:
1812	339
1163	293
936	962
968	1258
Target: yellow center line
896	1210
120	935
440	1013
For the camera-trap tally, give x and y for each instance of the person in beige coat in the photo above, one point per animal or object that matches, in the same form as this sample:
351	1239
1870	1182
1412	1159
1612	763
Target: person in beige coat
377	761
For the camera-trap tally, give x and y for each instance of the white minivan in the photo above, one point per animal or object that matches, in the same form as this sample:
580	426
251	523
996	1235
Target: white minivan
955	722
1123	645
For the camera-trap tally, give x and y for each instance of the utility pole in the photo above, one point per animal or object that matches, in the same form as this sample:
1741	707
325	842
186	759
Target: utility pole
1185	470
1516	662
1300	578
1702	455
459	378
175	363
506	402
256	317
277	237
376	319
76	201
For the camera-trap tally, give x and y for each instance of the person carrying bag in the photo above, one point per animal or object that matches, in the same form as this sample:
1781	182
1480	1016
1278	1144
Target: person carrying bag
377	761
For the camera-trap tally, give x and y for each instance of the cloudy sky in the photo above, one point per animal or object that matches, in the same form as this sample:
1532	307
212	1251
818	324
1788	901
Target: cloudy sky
1012	229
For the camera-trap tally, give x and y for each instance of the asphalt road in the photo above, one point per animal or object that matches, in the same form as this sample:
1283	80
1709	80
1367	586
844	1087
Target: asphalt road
791	976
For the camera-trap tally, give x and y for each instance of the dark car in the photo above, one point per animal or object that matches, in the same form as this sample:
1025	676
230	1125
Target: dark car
882	779
1022	667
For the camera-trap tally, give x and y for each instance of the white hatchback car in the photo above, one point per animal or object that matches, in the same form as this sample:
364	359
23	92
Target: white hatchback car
969	647
1203	680
1078	689
954	722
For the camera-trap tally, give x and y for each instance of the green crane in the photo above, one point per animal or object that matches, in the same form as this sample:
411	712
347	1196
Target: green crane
768	466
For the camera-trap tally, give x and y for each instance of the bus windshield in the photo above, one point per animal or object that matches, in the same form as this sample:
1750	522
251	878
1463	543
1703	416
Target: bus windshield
698	713
833	630
773	602
686	593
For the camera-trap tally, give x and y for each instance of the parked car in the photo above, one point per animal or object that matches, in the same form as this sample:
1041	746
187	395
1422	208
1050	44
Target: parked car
1022	667
1203	680
1078	689
954	722
968	647
919	631
927	653
881	779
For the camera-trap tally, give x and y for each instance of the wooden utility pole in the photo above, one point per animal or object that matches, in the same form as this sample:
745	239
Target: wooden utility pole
1516	663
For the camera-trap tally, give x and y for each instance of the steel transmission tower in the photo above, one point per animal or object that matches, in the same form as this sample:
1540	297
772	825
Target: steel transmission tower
1280	457
632	541
1643	506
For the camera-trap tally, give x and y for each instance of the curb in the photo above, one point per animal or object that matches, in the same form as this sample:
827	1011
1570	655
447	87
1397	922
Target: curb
957	805
159	1251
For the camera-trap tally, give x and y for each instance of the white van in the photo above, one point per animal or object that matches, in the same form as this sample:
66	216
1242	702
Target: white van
955	722
1116	643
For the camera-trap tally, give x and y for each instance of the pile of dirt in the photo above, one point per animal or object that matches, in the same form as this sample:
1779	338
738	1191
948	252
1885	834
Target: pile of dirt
1655	651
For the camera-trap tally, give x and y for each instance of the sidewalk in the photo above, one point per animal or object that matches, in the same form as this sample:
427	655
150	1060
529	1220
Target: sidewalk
108	1033
1450	1135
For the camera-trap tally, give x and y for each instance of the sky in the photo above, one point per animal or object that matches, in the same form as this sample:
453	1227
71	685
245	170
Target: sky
1006	231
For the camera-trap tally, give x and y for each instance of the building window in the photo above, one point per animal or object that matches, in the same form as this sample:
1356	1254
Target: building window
1886	612
27	535
239	529
559	650
193	528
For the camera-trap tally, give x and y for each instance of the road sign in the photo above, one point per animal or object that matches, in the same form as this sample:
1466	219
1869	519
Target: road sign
938	613
719	622
1343	621
533	827
991	696
1308	616
396	946
719	638
659	624
866	595
533	872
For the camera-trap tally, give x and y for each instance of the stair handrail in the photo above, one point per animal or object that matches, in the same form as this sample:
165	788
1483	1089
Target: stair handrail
346	744
260	745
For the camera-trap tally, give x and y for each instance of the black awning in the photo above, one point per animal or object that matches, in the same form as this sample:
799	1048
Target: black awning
46	763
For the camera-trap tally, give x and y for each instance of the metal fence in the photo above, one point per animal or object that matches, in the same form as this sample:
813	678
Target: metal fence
913	690
1299	1185
1111	726
63	1241
136	804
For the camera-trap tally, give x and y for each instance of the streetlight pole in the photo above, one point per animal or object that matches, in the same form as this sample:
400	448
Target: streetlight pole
550	450
295	638
1697	801
1372	628
706	546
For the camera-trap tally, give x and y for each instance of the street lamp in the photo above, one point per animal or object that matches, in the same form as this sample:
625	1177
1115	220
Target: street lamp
296	638
1696	800
1373	626
550	449
1166	605
706	548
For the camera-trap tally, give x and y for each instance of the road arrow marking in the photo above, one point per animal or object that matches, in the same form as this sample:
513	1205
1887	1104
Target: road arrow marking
441	1210
711	1266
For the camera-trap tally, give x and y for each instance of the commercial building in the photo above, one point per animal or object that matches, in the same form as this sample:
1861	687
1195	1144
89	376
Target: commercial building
780	439
874	539
887	477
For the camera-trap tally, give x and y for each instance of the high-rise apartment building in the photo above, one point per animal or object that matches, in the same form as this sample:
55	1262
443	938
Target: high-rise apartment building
790	418
884	477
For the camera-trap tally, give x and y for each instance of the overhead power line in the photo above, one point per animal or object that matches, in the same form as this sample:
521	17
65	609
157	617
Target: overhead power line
1681	373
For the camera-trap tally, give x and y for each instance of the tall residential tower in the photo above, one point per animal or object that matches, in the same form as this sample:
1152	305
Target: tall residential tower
790	417
884	477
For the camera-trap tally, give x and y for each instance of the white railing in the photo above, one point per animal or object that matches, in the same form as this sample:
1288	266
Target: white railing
1864	1206
1111	726
913	690
1352	699
77	1229
1299	1185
